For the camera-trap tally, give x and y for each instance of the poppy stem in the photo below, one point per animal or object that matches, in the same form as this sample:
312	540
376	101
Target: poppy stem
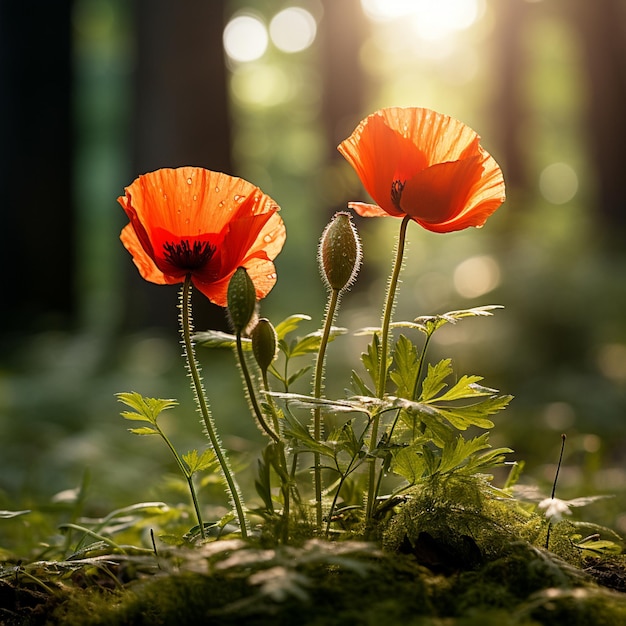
331	310
252	394
194	372
382	365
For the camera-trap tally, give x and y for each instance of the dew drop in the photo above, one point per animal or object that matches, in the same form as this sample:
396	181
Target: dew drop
272	276
267	238
195	197
216	188
189	181
164	196
221	204
237	197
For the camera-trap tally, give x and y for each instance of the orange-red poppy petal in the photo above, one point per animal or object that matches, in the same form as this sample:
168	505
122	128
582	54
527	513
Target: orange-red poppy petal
225	221
417	162
144	262
368	210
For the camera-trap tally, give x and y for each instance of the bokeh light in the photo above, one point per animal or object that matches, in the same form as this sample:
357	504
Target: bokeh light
245	38
558	183
476	276
293	29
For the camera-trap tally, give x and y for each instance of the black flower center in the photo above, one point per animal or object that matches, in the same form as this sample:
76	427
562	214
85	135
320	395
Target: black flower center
397	186
188	256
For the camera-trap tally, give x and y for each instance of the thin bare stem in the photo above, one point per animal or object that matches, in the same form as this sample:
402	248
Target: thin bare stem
194	372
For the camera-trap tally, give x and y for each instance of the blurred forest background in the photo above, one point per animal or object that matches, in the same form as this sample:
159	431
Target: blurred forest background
96	92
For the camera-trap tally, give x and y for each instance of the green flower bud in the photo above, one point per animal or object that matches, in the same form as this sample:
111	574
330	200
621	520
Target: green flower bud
339	252
264	343
241	299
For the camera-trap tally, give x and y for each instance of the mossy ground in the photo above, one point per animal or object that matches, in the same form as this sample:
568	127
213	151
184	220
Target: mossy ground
450	555
527	587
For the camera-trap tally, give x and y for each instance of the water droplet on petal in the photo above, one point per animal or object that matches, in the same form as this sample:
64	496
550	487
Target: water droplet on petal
272	276
216	188
195	197
189	181
267	238
221	204
164	196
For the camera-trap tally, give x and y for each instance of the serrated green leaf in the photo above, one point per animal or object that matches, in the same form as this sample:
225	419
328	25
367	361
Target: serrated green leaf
461	417
290	324
359	387
147	409
409	463
458	452
435	379
198	462
430	323
466	387
146	430
371	359
219	339
311	342
405	365
296	375
301	434
309	402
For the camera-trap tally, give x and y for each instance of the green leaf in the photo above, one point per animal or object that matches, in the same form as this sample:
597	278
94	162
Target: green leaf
146	430
406	362
462	417
409	463
296	375
435	379
301	434
371	359
359	387
290	324
219	339
146	409
311	342
430	323
197	463
458	452
466	387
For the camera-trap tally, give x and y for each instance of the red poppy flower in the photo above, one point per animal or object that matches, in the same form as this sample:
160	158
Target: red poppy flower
426	165
207	224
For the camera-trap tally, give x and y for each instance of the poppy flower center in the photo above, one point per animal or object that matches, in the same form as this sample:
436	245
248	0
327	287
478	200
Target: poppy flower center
188	256
397	186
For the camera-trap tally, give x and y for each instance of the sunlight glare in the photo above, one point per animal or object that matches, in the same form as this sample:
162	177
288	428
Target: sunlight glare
245	38
431	19
293	29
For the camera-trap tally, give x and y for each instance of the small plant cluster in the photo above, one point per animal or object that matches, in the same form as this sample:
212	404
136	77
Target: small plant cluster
400	464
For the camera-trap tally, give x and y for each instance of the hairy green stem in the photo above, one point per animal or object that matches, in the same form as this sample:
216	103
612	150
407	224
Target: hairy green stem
251	392
382	369
317	393
194	372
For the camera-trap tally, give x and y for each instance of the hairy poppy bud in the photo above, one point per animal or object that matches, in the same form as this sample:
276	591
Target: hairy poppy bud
264	343
340	252
241	298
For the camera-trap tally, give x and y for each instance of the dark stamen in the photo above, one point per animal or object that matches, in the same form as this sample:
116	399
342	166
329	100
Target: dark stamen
186	256
397	186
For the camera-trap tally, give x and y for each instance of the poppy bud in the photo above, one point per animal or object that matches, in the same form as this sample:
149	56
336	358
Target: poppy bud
340	252
241	298
264	343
